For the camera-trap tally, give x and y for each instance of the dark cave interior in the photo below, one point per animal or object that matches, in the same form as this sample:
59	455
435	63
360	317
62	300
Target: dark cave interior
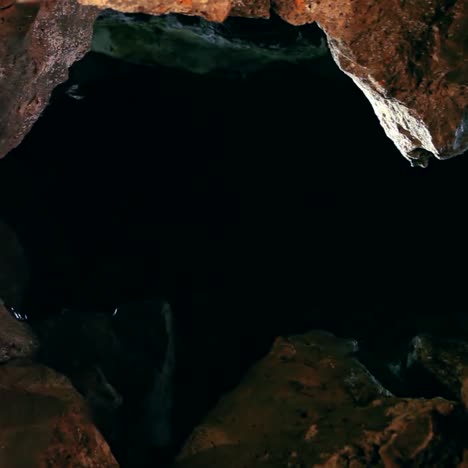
258	205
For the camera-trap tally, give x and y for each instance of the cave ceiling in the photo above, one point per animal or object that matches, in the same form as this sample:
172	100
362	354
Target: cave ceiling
409	58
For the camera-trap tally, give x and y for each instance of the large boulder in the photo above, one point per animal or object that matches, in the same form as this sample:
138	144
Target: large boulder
45	422
309	402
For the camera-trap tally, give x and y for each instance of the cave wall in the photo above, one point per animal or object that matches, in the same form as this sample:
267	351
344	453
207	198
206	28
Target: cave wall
39	41
409	58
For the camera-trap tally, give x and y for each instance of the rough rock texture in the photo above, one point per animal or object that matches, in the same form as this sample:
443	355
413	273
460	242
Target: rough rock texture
16	338
444	360
411	61
45	423
409	58
38	43
213	10
236	46
311	403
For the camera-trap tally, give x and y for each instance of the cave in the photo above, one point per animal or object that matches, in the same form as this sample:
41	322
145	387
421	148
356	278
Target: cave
213	253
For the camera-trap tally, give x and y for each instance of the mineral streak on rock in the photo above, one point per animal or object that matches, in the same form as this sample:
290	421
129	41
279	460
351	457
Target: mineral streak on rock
39	41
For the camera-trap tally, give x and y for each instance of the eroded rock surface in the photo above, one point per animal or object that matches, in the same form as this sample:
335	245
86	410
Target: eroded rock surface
212	10
409	58
16	338
14	269
311	403
39	41
45	423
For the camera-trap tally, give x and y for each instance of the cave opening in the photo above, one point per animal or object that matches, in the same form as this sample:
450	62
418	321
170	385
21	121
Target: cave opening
259	201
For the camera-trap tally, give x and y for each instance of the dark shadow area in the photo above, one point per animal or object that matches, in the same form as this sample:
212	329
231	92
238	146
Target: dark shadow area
260	206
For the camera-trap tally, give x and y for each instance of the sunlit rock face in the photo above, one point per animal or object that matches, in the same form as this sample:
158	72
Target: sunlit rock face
39	41
237	46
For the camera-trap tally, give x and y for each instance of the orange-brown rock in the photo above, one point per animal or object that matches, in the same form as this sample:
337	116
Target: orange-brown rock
309	402
39	41
44	422
411	61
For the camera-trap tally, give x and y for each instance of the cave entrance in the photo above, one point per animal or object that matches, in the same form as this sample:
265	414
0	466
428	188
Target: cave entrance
260	197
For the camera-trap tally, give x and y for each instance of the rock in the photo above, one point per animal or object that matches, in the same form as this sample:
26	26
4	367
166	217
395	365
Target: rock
45	422
409	59
146	331
444	360
14	270
83	347
123	365
236	46
39	41
16	338
309	402
251	9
